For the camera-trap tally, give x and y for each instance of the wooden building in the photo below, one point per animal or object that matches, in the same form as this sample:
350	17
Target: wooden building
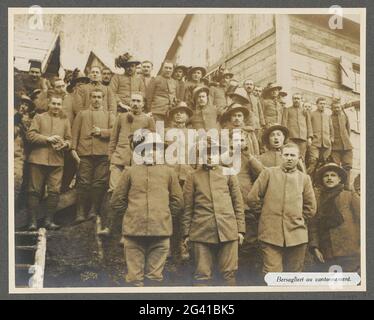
301	52
39	45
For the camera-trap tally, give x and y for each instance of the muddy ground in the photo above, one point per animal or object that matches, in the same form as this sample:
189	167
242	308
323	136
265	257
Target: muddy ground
74	259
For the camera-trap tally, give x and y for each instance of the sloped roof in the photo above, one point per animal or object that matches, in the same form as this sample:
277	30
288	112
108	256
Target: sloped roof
33	44
106	59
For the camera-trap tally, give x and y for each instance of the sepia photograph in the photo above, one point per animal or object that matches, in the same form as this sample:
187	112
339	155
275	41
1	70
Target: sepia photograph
186	150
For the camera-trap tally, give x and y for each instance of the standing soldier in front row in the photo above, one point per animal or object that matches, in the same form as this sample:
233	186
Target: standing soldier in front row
49	135
335	230
91	132
213	220
288	203
148	194
342	149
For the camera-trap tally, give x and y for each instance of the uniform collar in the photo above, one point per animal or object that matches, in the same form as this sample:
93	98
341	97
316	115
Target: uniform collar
149	164
288	170
179	126
209	167
100	109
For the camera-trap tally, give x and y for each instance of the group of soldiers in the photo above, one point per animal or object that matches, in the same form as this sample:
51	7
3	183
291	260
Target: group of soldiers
85	130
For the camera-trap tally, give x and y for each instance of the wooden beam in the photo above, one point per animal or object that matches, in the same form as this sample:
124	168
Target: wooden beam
37	280
283	50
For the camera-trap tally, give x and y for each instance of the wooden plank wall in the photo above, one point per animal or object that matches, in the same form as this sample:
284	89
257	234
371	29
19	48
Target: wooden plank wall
257	61
315	56
214	39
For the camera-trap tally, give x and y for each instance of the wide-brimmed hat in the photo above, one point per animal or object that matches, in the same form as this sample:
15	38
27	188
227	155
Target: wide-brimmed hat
182	67
331	167
24	99
235	107
180	106
227	73
78	77
125	60
132	61
197	90
239	96
270	87
268	131
194	68
233	85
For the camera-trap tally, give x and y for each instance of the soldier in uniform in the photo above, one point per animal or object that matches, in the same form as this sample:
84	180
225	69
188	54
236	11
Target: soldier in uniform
273	139
288	203
91	133
119	150
107	75
236	117
24	113
335	230
177	135
218	94
213	220
179	75
149	195
74	100
195	79
297	120
255	107
239	96
109	103
250	168
49	135
205	114
271	106
146	76
323	136
162	93
122	85
342	149
32	81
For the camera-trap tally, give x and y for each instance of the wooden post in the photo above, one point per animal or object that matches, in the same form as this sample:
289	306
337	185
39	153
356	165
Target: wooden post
37	280
283	53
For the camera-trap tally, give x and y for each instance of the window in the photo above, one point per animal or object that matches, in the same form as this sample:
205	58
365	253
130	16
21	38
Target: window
350	74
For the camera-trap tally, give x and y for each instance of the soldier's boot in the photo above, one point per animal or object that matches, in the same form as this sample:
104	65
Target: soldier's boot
97	196
107	216
33	206
51	205
347	185
81	212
